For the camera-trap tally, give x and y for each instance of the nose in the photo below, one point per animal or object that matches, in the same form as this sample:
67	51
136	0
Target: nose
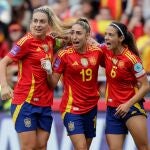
106	37
38	23
74	36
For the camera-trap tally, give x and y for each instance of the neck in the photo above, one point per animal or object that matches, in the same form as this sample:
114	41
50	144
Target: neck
118	50
83	49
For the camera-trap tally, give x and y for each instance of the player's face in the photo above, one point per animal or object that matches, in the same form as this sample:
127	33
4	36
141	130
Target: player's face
112	39
39	25
79	37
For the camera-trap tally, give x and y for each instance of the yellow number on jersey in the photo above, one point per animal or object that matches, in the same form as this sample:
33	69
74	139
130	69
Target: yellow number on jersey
86	74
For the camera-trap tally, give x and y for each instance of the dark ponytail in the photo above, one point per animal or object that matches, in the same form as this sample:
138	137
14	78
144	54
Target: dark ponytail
130	41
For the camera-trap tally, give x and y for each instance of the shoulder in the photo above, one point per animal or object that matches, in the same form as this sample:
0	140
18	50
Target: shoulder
49	37
27	37
94	48
66	51
132	58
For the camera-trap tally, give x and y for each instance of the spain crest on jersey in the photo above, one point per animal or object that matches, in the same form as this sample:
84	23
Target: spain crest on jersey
71	126
84	62
45	47
27	122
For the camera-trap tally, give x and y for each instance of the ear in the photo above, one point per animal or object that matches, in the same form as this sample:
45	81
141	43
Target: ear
87	35
121	38
49	30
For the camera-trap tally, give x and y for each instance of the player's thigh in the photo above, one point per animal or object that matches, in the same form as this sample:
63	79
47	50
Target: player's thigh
28	140
42	138
79	141
88	142
137	125
115	141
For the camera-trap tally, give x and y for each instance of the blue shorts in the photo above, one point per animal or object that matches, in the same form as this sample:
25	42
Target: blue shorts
81	123
116	124
28	117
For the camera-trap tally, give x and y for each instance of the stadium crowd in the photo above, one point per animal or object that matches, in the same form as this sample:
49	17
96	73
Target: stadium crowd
15	16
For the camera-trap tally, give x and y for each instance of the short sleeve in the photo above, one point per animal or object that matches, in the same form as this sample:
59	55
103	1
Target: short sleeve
19	50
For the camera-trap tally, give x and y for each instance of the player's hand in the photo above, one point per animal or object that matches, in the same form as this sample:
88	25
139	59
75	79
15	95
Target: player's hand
46	65
92	41
122	110
6	93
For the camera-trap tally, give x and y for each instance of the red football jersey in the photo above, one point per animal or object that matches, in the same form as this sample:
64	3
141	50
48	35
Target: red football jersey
80	72
122	72
32	85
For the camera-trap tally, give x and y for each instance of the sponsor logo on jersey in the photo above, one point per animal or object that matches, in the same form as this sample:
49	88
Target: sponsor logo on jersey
38	49
75	63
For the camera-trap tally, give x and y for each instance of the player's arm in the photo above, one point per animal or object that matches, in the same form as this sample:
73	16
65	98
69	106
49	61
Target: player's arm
6	91
144	87
53	78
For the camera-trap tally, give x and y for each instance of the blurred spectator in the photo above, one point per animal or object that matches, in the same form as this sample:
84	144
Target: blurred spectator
143	44
3	44
115	7
16	31
146	9
65	9
5	11
103	18
136	21
56	8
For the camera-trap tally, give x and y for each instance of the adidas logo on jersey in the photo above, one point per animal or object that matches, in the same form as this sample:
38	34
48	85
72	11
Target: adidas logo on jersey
38	49
75	63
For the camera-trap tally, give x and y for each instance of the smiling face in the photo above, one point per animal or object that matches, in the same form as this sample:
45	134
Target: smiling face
112	39
39	25
79	37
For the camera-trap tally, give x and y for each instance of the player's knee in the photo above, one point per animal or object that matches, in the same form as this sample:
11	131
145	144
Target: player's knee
41	146
81	147
143	147
115	148
28	147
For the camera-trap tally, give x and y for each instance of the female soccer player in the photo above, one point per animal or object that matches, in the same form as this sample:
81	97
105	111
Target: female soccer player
127	84
32	97
79	65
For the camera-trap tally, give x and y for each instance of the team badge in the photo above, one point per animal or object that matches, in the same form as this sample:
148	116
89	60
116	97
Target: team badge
84	62
71	126
114	60
92	60
27	122
121	64
138	67
45	47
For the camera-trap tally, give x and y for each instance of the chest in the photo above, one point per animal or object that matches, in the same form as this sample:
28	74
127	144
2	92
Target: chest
39	51
118	68
76	62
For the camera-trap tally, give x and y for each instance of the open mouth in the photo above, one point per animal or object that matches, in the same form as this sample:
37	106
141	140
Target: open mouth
76	43
108	44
